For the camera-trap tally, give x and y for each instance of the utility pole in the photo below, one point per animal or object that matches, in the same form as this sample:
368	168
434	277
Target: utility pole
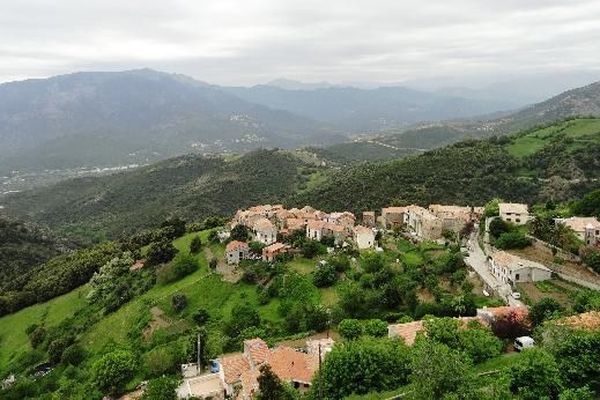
199	363
320	383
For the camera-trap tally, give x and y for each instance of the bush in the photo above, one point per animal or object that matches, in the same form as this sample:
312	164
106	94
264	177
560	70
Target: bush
161	361
498	227
195	245
350	329
113	370
179	302
375	328
73	355
180	267
164	388
240	232
212	264
160	252
312	248
324	275
201	316
544	309
512	240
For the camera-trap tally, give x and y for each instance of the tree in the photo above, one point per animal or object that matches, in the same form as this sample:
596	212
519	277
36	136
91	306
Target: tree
243	316
324	275
350	328
544	309
113	370
311	248
57	347
212	264
160	252
361	366
173	227
195	245
179	302
498	227
180	267
73	355
535	376
479	343
163	388
587	300
437	370
591	256
375	328
201	316
37	336
240	233
578	358
512	240
270	386
583	393
372	262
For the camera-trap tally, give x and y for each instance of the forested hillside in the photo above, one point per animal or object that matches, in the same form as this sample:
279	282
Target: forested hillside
24	246
553	163
192	187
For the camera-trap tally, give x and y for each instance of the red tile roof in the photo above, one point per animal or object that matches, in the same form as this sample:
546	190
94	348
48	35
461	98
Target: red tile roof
292	365
233	366
236	245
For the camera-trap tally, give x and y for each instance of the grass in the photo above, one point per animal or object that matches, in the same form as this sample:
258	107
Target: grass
302	265
581	130
412	259
14	340
502	362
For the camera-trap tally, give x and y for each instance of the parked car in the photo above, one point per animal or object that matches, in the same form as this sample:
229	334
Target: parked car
214	366
516	295
523	342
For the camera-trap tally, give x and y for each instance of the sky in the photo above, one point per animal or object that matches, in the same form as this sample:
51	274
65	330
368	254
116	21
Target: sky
245	42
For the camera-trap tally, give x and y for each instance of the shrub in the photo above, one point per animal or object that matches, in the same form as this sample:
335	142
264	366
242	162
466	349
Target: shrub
201	316
350	328
512	240
324	275
73	355
180	267
160	252
179	302
375	328
195	245
113	370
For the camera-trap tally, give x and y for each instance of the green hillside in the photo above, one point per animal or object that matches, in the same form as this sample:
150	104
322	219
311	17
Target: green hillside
558	162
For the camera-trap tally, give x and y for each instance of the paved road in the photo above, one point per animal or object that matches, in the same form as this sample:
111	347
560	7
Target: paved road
478	261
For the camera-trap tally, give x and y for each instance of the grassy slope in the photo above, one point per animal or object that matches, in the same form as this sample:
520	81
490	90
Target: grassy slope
14	341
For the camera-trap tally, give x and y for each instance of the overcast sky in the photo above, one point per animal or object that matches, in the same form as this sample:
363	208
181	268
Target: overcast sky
341	41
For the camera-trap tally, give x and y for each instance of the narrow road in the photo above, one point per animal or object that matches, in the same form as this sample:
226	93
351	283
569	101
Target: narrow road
478	261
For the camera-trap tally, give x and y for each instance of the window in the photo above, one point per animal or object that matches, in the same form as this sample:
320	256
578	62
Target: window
517	276
517	220
508	219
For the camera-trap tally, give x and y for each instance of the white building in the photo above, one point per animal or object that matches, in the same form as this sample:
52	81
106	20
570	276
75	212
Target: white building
264	231
363	237
511	269
515	213
579	225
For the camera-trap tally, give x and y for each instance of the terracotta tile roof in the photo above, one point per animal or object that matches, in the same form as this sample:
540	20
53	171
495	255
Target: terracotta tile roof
579	224
315	225
334	227
393	210
586	321
249	379
360	229
263	224
451	211
490	314
256	350
236	245
139	264
275	247
292	365
513	208
295	224
233	366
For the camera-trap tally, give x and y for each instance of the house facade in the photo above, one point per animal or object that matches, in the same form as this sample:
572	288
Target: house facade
270	252
363	237
423	223
579	225
516	213
393	217
511	269
236	251
264	231
592	235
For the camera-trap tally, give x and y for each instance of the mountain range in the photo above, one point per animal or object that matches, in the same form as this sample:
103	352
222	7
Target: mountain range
141	116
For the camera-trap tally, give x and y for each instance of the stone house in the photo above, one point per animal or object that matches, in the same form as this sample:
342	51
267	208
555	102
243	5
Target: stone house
363	237
592	235
579	225
368	219
239	372
454	218
236	251
264	231
516	213
270	252
393	217
511	269
423	223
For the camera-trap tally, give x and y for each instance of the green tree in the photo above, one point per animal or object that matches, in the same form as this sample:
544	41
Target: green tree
512	240
324	275
350	328
583	393
73	355
578	358
240	232
479	343
498	227
375	328
164	388
361	366
372	262
113	370
160	252
437	370
201	316
179	302
536	376
544	309
213	263
270	386
195	245
243	316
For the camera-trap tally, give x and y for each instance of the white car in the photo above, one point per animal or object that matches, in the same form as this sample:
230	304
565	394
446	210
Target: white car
523	342
516	295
